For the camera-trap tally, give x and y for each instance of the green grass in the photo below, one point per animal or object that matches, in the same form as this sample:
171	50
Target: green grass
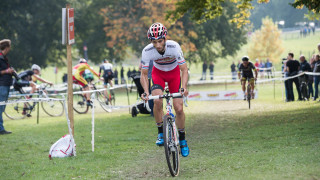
273	140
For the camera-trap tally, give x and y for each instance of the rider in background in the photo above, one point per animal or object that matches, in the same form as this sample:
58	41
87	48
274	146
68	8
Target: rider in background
168	63
29	78
245	71
106	67
77	72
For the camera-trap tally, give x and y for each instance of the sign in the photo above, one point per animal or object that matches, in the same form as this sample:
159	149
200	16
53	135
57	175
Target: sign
217	95
64	33
71	26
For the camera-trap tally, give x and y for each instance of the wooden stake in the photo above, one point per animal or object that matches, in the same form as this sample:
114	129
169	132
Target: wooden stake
70	80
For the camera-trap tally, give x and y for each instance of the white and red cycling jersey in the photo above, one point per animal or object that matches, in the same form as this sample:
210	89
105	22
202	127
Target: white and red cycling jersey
165	66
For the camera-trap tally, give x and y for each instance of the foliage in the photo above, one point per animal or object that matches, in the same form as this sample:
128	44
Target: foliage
126	24
278	11
312	5
204	10
312	16
34	28
266	42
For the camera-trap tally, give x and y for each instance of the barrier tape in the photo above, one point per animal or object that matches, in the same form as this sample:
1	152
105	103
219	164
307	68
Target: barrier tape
30	100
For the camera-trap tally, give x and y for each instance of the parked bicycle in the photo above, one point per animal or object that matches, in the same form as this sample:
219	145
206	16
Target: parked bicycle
170	133
21	110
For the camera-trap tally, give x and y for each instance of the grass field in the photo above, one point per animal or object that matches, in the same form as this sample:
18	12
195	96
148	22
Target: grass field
273	140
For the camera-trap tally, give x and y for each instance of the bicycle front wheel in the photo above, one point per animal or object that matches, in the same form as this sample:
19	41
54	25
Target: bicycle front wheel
249	95
80	104
171	146
15	111
53	108
104	103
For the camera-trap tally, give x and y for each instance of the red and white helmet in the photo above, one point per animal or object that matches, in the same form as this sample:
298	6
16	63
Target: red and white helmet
157	31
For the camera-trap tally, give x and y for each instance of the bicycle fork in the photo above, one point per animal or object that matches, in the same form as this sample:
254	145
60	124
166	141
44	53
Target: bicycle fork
174	128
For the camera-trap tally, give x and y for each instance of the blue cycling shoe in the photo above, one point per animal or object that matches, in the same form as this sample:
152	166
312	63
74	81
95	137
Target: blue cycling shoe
184	148
160	141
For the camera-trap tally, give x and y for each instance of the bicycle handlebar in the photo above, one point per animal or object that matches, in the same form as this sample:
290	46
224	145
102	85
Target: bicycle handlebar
173	95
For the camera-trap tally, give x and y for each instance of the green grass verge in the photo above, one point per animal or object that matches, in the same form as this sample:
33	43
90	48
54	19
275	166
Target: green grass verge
273	140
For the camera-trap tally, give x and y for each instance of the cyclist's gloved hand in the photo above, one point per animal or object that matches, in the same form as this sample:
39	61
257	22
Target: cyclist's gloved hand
145	96
184	91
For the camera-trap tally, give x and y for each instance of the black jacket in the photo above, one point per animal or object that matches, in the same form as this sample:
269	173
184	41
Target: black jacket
5	79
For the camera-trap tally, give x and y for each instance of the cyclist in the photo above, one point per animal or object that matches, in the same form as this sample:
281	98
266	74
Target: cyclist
77	72
87	75
106	67
29	78
168	60
245	71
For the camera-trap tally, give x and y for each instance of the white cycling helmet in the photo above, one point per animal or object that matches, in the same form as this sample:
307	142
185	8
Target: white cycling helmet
81	60
35	67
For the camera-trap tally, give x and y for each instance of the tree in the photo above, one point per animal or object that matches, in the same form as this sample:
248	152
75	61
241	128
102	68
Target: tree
203	10
127	21
266	42
34	28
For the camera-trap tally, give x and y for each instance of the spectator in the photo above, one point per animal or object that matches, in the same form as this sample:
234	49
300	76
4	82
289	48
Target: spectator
238	66
261	69
304	67
233	71
115	75
204	70
211	69
5	79
269	68
257	64
310	82
319	48
292	69
134	71
285	75
65	78
316	77
122	75
129	74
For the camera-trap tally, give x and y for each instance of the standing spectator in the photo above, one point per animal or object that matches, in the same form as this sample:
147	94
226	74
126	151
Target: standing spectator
292	69
233	71
257	64
211	69
285	75
316	77
115	75
261	69
305	67
238	66
269	68
129	74
134	71
122	75
5	78
310	82
204	70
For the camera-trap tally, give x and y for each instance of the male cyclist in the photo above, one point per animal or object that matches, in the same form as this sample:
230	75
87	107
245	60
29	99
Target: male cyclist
29	78
106	67
245	71
77	72
168	60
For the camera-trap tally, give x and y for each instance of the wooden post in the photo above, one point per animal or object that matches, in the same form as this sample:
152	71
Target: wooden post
70	80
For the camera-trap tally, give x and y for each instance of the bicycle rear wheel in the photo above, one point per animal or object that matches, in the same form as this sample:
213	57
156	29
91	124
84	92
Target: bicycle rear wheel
53	108
14	111
105	104
171	148
80	104
249	95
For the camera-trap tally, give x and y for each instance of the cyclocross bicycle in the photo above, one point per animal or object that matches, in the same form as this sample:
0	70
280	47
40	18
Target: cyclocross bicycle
21	110
249	94
80	102
170	133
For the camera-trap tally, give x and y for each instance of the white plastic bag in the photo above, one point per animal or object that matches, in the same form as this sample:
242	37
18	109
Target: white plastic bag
64	147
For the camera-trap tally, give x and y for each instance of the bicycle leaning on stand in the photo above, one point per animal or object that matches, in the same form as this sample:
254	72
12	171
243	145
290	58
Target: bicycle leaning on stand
170	132
20	110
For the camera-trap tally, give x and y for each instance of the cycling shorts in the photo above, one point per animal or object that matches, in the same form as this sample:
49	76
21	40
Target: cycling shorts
171	77
80	80
247	78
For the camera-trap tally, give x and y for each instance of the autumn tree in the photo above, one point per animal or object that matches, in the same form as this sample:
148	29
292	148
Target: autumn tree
203	10
266	42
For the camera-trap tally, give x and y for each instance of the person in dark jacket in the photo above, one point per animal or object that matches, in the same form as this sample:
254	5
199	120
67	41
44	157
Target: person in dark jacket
211	69
6	72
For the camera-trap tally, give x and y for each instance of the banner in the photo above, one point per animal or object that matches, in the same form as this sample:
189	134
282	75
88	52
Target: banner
71	26
217	95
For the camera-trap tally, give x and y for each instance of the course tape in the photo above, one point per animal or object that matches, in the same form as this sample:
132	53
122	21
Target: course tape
30	100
